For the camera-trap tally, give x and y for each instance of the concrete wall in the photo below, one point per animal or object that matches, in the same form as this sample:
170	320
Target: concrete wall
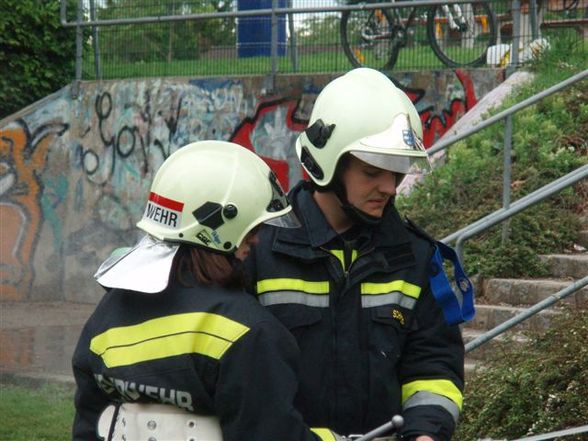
74	172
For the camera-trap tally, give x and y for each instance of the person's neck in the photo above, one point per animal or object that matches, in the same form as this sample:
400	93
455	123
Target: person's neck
332	210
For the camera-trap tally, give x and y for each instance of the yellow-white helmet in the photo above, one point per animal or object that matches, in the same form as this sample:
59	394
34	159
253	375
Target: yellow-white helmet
211	194
362	113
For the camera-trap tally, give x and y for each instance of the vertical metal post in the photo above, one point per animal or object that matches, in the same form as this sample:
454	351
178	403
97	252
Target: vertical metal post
293	42
274	47
79	49
516	36
508	121
95	43
534	24
506	175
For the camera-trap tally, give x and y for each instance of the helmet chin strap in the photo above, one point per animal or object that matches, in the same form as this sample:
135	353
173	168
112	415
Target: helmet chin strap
360	217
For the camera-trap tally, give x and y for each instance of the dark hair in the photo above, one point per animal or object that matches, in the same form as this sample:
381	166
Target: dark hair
194	265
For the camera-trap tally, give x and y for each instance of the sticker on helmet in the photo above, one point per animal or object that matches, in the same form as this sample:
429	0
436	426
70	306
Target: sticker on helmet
408	138
164	211
204	237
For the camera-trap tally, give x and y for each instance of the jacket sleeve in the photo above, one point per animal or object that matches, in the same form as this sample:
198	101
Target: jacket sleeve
255	389
90	400
431	373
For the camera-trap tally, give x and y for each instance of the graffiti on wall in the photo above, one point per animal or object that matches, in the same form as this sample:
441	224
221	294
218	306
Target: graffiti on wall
117	137
23	156
440	107
271	132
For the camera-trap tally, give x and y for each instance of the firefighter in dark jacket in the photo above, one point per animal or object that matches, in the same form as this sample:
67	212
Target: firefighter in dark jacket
175	327
352	284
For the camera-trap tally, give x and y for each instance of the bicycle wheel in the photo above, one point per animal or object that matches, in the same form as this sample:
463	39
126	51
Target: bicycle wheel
367	38
460	34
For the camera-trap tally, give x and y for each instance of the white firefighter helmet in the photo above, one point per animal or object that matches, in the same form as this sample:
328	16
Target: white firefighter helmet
211	194
362	113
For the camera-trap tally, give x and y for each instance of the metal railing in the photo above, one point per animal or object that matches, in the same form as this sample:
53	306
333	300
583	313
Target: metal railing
526	314
114	45
526	202
558	434
507	211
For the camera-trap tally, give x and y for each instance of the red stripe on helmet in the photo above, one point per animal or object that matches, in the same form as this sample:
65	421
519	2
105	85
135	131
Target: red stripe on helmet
165	202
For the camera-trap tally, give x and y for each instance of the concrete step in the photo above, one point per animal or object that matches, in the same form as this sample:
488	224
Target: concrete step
583	218
490	316
567	265
516	292
583	238
471	367
491	347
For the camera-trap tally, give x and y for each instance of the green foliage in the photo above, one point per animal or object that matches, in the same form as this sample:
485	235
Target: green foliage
550	140
541	389
320	29
37	54
40	414
175	40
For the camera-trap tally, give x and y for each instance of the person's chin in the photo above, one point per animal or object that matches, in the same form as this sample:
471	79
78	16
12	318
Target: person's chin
375	212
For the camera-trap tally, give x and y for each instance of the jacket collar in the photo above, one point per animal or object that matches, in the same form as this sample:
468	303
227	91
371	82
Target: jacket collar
316	232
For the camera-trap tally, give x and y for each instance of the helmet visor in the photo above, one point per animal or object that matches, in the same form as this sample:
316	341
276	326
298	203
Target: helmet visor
398	148
286	220
279	200
405	165
279	204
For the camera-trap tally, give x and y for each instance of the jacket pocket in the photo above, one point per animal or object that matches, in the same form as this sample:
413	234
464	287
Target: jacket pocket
388	326
297	318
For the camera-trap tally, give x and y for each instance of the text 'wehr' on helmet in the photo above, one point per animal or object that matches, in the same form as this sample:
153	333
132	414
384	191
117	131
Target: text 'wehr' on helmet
211	194
362	113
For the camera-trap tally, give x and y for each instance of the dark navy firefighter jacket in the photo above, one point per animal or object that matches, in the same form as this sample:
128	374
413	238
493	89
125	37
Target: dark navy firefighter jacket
373	341
204	350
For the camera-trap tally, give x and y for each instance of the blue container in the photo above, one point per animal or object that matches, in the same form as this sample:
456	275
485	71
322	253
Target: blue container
254	33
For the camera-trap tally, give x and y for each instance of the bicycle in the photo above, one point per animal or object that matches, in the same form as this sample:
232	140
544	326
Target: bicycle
459	34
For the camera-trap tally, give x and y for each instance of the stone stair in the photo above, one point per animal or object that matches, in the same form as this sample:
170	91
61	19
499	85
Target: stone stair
501	299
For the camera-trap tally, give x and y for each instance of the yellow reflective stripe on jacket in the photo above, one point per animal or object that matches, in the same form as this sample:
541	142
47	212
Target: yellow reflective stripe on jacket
282	284
324	434
445	388
297	291
396	292
406	288
196	332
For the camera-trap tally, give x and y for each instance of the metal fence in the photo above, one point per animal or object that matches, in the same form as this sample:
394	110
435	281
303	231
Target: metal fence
152	38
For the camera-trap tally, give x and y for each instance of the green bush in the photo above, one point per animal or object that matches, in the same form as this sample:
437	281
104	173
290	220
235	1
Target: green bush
37	54
550	139
542	388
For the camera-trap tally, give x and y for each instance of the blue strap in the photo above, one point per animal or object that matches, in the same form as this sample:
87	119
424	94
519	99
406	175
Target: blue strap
458	307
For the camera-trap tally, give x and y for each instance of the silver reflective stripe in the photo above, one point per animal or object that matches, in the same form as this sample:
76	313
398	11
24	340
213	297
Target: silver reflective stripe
424	398
298	297
393	298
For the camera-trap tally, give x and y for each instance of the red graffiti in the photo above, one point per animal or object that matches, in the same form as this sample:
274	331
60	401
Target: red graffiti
434	125
242	134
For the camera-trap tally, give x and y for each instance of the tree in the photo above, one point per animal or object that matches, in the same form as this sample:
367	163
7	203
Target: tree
175	40
37	53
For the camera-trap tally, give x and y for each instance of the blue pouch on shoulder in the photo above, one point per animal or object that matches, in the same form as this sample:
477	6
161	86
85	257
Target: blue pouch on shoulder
458	307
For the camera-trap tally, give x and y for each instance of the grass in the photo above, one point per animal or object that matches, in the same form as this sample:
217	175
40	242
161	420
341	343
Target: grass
549	141
542	387
43	413
421	57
